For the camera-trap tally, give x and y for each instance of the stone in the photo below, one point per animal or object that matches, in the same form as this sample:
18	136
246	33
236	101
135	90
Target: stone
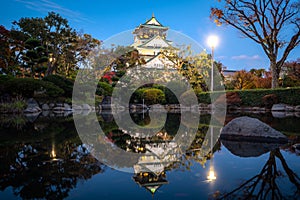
31	117
251	129
67	107
278	114
86	107
58	109
32	103
32	106
45	113
279	107
59	104
45	107
289	108
76	107
249	149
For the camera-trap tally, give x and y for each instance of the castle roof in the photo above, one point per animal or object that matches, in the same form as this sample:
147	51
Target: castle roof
153	21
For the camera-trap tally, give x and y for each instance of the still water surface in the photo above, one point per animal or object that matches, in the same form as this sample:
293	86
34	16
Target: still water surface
44	158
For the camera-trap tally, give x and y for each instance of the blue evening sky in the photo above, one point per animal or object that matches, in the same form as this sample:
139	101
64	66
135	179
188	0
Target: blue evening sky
103	19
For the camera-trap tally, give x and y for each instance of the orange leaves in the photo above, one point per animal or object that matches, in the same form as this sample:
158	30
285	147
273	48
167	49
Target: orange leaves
215	12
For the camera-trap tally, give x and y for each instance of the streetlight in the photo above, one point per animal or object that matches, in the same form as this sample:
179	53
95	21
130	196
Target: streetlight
212	41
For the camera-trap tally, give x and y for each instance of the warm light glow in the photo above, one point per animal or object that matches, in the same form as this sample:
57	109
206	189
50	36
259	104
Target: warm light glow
211	176
212	41
53	154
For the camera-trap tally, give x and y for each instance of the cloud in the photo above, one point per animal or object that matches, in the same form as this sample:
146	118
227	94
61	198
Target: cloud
245	57
44	6
221	57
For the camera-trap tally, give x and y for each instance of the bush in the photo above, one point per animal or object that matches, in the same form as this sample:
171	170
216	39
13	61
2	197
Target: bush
104	89
269	100
3	80
61	82
27	86
289	96
17	105
154	96
254	97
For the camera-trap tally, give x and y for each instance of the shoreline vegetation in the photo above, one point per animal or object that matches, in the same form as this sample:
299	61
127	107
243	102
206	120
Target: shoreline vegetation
54	93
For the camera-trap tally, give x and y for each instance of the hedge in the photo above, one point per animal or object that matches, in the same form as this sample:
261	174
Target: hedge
289	96
27	86
253	97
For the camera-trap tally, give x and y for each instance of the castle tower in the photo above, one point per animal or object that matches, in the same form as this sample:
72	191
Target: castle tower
150	38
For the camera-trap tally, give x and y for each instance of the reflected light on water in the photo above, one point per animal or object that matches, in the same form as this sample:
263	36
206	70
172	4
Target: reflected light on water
53	153
211	175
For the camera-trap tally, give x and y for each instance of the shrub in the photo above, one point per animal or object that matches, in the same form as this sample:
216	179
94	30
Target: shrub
254	97
104	89
269	99
61	82
17	105
3	80
154	96
27	86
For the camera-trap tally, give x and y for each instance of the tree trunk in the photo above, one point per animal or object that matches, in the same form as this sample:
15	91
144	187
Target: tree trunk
50	69
275	75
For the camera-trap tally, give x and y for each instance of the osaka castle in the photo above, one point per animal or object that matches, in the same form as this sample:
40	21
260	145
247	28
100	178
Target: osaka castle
150	39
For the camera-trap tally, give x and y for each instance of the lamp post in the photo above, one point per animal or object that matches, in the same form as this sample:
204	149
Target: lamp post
212	42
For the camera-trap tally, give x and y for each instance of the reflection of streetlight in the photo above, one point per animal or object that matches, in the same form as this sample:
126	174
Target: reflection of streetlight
211	174
212	41
53	153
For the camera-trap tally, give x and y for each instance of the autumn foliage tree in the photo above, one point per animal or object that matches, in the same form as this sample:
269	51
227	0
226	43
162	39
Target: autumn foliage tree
266	22
291	75
243	80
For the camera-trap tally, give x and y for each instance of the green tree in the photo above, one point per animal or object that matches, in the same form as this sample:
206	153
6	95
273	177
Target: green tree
196	68
34	56
265	22
63	45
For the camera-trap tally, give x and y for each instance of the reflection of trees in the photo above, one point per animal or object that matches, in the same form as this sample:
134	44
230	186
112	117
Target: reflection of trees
39	171
265	184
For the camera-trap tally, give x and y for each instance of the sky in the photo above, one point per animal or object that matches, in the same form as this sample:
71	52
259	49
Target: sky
105	19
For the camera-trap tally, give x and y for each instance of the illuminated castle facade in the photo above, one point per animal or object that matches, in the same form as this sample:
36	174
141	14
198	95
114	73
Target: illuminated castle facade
150	39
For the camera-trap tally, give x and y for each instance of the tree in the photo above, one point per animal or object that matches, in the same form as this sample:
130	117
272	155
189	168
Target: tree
243	80
265	22
34	56
264	185
291	74
10	50
4	48
64	47
196	68
262	78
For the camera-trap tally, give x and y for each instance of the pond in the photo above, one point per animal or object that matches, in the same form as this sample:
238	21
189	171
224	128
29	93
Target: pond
43	157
